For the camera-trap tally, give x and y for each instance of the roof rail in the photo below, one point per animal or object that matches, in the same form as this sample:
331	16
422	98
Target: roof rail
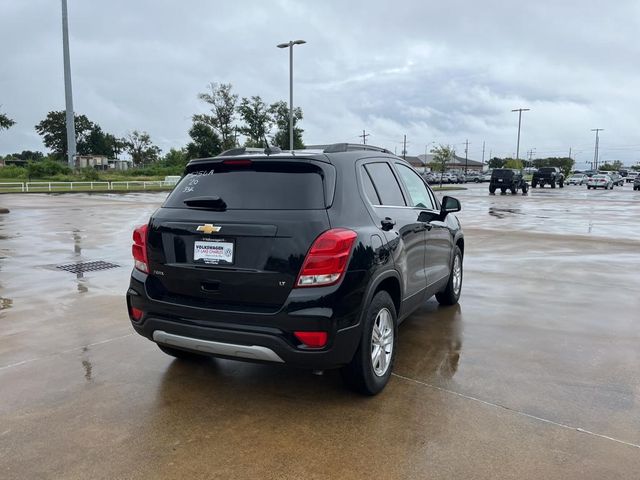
350	147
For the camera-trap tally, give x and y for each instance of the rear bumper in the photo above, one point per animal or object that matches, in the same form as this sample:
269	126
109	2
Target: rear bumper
253	336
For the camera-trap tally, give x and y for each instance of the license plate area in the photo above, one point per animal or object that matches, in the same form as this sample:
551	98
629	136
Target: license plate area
218	251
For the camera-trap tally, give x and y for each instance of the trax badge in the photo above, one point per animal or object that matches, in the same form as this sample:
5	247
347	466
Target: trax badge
208	228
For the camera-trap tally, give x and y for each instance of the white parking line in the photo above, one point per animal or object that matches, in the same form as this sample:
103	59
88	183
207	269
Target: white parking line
517	412
23	362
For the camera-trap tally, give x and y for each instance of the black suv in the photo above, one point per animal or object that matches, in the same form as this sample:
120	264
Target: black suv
309	258
548	176
507	179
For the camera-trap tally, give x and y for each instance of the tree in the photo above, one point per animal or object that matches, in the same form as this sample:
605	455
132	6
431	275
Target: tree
280	114
6	122
95	143
175	158
28	155
53	130
563	163
223	110
141	149
441	155
115	145
257	118
615	166
205	142
513	163
496	162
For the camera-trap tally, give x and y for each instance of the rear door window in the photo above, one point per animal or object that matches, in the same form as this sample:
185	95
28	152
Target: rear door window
258	186
369	189
386	184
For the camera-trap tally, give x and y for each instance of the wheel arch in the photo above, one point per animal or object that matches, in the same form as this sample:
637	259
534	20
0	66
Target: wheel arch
388	281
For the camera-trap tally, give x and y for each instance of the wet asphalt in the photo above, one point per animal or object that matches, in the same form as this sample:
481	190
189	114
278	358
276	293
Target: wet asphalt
535	374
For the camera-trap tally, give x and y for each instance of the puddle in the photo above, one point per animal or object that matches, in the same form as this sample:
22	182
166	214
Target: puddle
504	212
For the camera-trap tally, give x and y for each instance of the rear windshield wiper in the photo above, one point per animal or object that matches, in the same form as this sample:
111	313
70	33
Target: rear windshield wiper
211	203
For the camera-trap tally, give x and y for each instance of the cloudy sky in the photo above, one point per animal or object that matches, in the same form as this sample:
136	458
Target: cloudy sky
438	72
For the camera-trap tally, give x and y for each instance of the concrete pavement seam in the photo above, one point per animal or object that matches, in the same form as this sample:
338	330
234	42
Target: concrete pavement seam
518	412
30	360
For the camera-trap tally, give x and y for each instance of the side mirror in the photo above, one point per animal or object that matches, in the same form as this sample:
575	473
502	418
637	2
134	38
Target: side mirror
449	205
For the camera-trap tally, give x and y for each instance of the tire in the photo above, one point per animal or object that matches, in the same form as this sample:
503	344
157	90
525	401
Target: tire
181	354
451	294
503	190
525	189
492	189
514	190
475	181
363	374
534	184
588	187
553	184
561	184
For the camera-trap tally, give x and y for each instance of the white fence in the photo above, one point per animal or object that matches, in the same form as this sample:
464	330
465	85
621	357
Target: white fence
83	186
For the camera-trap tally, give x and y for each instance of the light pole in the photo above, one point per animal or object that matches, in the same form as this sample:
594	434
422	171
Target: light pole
519	110
597	148
68	95
290	45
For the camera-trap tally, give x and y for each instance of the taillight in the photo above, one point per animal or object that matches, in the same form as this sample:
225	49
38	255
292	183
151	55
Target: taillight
139	249
312	339
238	163
136	313
327	259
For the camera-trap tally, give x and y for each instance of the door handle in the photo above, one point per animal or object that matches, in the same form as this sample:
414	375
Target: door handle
387	224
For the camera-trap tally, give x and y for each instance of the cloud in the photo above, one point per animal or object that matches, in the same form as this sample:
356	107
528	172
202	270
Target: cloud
436	71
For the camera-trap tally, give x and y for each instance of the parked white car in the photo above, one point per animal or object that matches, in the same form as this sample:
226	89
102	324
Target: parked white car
600	181
579	179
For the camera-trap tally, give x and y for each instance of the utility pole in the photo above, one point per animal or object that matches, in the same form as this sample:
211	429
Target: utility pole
531	156
364	137
482	153
519	110
569	152
466	157
68	94
597	148
404	148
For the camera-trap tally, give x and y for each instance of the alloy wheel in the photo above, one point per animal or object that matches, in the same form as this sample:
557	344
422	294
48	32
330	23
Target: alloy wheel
382	342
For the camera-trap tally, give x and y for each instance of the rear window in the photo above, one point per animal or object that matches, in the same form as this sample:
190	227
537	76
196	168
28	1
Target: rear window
546	170
258	186
503	173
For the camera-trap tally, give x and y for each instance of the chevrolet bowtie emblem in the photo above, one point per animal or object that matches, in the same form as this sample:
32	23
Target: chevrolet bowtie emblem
208	228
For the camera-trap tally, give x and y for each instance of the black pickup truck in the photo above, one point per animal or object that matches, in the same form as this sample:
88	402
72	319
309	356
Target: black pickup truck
548	176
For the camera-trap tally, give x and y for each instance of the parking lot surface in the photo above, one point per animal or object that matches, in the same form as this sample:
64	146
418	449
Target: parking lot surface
533	375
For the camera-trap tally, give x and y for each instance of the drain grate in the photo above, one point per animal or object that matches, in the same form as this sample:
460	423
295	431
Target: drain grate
86	266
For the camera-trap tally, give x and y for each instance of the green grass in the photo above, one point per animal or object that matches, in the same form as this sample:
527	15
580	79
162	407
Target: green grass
447	187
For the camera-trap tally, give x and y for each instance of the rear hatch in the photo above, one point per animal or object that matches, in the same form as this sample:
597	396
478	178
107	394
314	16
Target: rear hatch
502	175
545	173
234	233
